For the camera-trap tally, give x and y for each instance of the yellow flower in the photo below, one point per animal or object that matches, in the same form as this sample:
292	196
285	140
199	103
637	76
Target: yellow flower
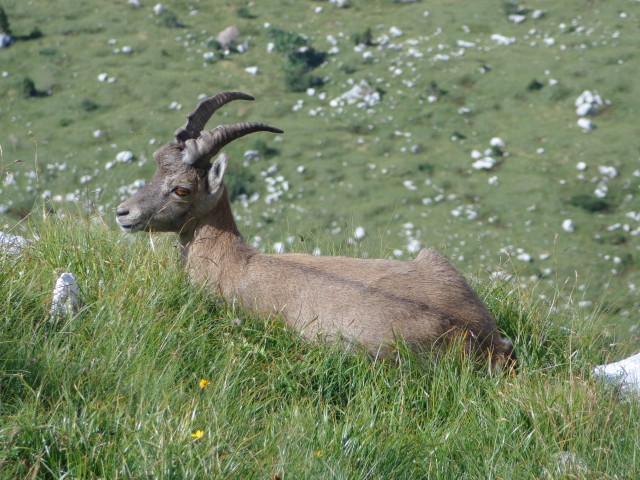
319	453
197	434
204	383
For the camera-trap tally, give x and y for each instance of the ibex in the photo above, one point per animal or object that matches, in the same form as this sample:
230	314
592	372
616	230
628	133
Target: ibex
372	302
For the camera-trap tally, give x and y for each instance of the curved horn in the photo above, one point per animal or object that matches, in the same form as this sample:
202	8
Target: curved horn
198	152
197	119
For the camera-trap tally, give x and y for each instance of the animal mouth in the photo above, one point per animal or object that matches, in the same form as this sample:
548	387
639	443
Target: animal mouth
127	227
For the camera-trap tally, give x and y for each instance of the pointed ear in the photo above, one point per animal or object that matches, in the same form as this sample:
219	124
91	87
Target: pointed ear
216	173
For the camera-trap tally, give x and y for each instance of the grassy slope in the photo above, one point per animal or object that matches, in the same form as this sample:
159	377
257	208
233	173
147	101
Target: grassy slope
113	391
53	135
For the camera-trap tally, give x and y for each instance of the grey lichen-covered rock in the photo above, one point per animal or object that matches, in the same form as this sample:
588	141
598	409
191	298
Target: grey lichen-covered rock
11	244
626	373
66	296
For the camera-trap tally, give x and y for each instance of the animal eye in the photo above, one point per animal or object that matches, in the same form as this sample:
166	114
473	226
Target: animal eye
181	191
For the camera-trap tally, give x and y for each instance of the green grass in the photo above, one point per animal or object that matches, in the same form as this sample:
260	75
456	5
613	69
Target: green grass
113	391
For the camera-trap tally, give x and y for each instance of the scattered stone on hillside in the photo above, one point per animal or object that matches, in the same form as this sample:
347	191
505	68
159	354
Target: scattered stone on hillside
395	32
362	94
66	296
11	244
158	9
502	40
568	226
227	37
517	18
104	78
569	465
497	142
588	103
536	14
625	373
125	156
586	124
5	40
485	163
251	155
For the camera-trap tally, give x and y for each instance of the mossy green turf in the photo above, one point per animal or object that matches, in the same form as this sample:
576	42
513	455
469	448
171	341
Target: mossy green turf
340	187
113	392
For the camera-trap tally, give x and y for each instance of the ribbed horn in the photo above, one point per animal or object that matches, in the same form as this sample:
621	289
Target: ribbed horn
197	119
198	152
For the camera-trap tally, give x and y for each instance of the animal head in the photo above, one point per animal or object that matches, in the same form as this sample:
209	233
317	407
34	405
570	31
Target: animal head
186	184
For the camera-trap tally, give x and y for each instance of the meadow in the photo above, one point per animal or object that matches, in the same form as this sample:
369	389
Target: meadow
154	379
559	207
407	124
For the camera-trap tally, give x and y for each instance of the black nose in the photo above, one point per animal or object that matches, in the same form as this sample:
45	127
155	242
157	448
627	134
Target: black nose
122	211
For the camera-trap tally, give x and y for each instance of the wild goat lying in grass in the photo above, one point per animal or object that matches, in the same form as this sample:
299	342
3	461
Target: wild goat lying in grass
371	302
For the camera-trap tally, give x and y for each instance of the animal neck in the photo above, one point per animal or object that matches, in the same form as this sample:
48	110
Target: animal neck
213	249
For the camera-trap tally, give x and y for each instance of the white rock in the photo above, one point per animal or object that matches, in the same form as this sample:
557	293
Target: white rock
608	171
66	295
625	372
586	124
497	142
465	44
476	154
486	163
362	94
525	257
581	166
340	3
135	3
251	155
502	40
584	109
568	225
395	32
103	77
515	18
124	157
158	9
252	70
359	233
590	98
537	14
